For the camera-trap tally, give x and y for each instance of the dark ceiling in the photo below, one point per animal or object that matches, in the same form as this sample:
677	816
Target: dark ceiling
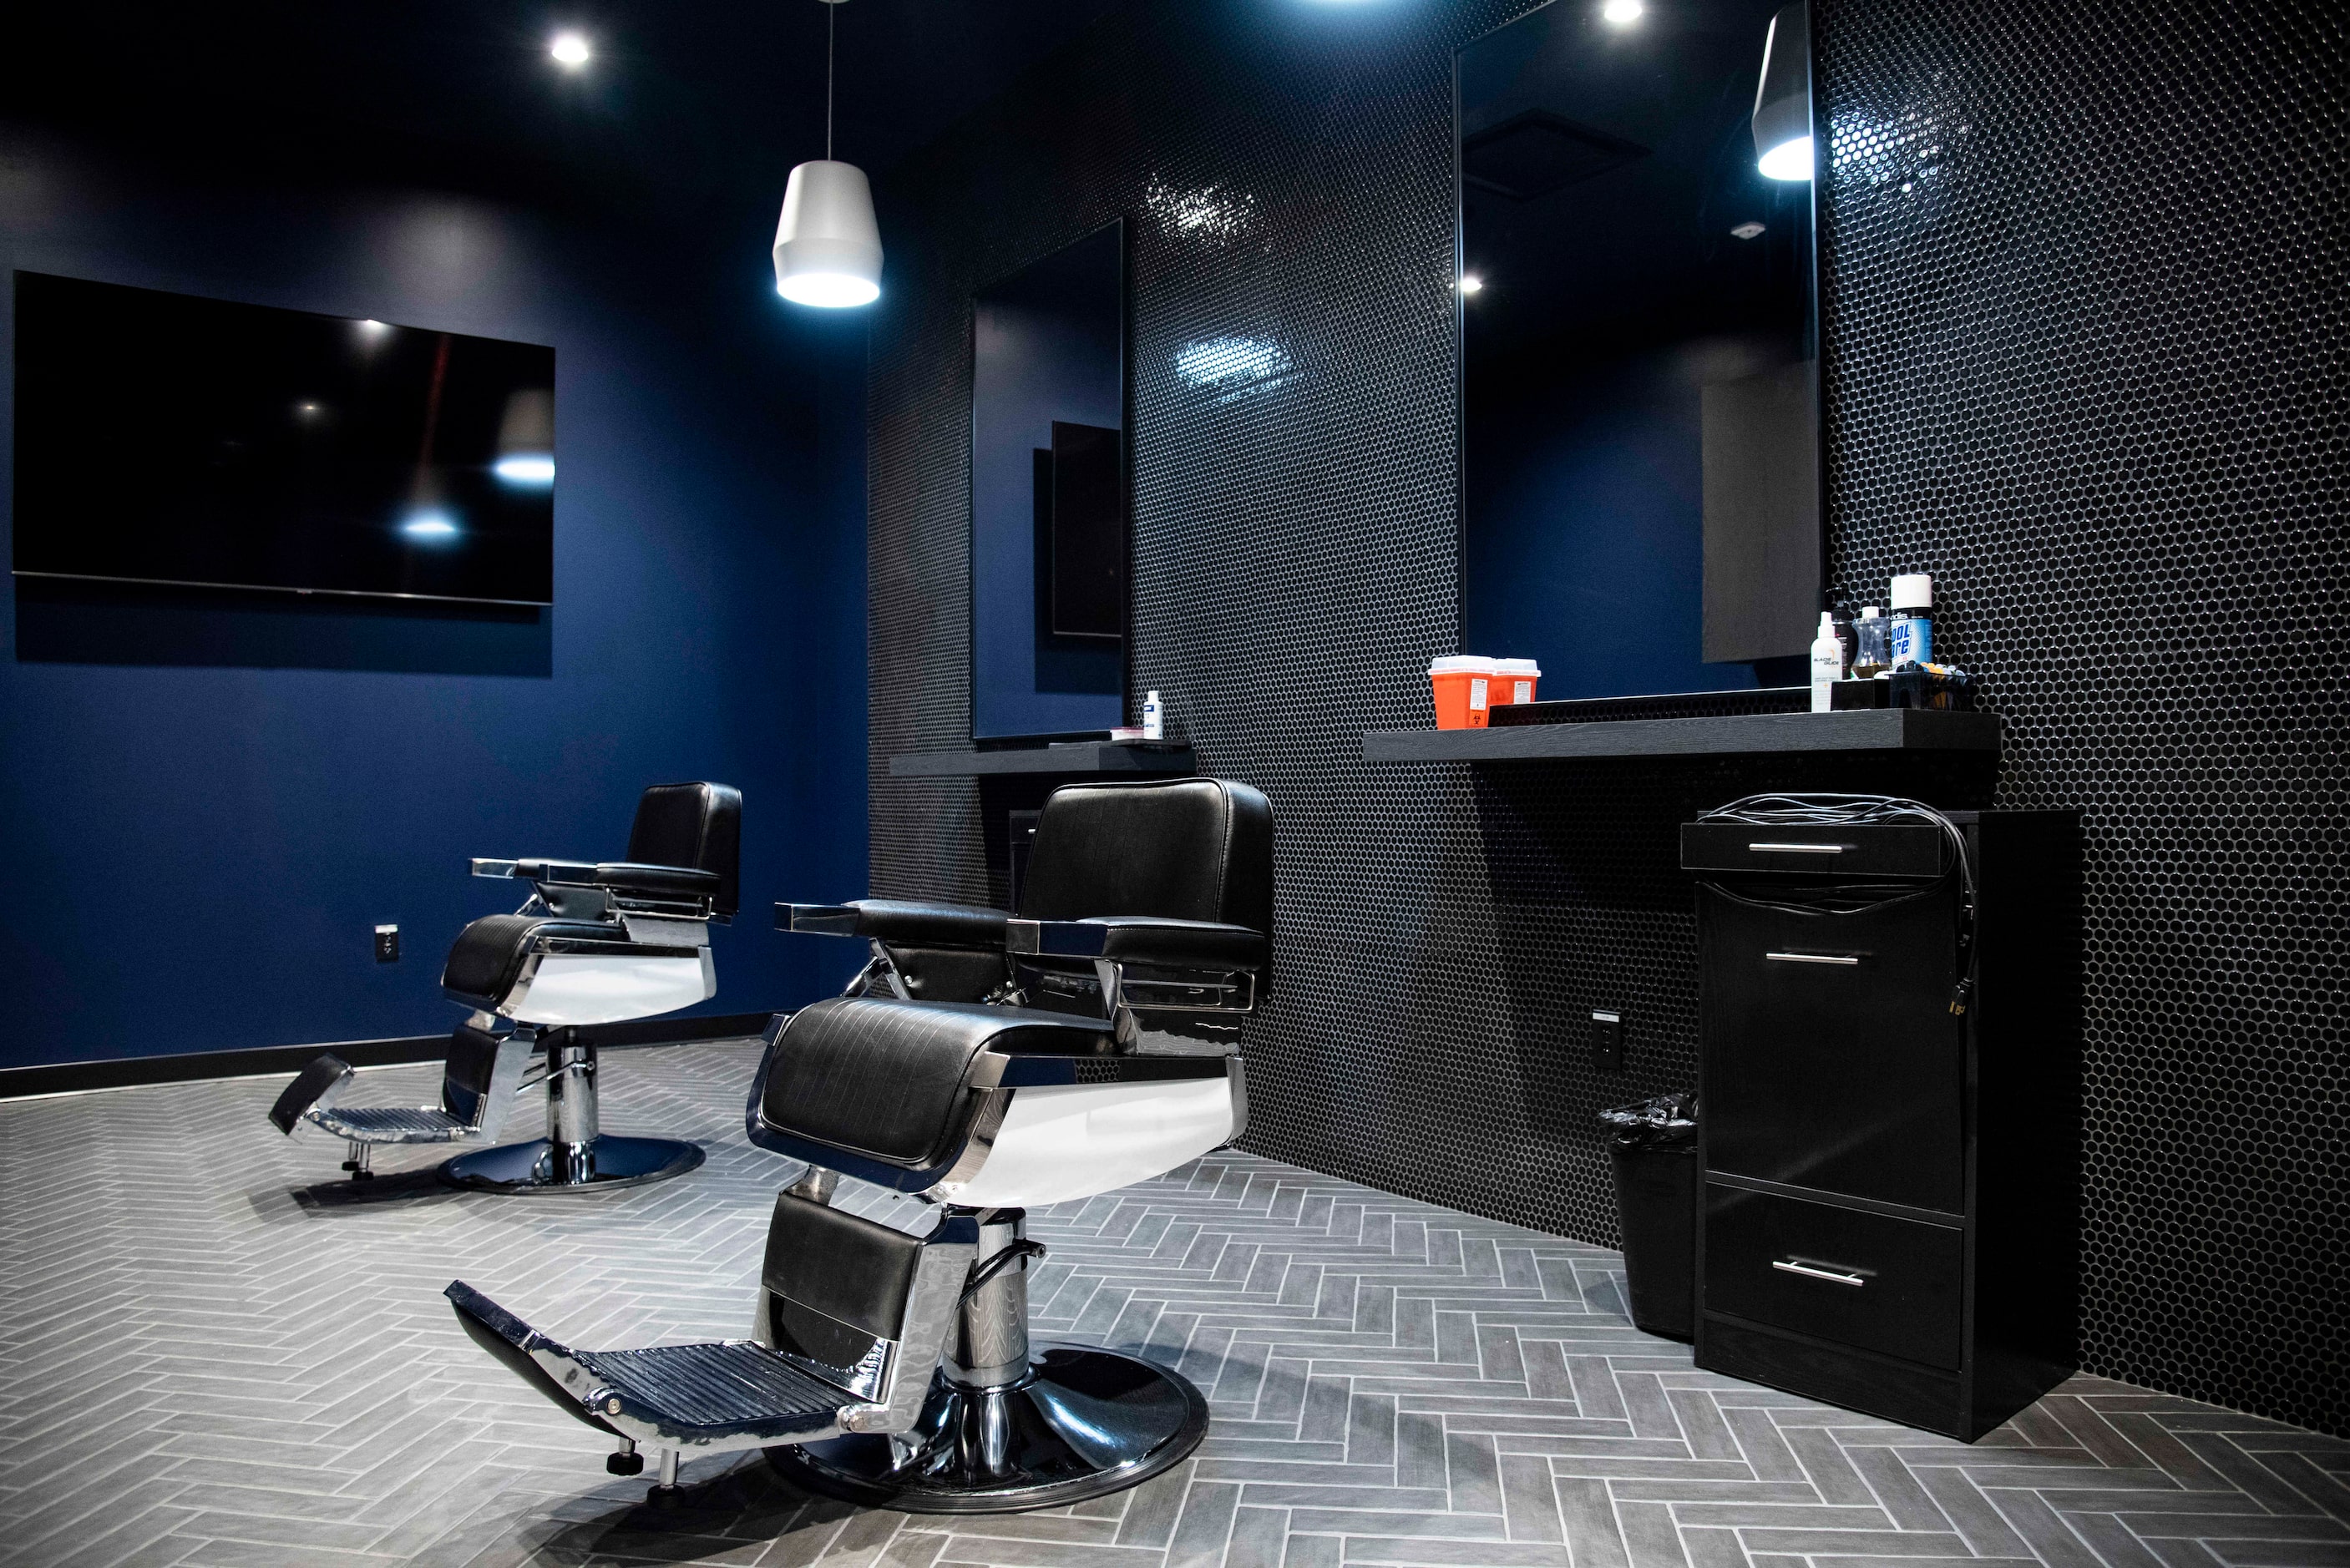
688	103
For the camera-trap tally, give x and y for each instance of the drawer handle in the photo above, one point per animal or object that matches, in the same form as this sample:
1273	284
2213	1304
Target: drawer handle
1796	848
1848	959
1810	1272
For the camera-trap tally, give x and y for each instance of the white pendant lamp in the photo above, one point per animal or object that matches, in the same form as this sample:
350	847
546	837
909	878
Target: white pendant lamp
828	246
1783	102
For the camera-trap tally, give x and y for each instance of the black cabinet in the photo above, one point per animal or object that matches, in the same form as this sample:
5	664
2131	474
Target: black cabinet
1890	1211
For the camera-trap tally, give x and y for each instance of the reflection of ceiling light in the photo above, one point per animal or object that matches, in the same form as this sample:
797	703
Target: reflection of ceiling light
526	468
1788	161
373	328
1783	100
430	525
1747	230
1471	283
570	50
1211	211
526	439
1223	362
1623	13
308	410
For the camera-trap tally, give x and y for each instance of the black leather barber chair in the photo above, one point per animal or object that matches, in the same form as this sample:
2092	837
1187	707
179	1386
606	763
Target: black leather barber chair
984	1063
599	943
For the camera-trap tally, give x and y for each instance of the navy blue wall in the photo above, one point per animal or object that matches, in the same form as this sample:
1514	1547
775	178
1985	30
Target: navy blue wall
209	802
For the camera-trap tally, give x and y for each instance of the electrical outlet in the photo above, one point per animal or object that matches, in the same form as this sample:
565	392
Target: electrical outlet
386	944
1607	1041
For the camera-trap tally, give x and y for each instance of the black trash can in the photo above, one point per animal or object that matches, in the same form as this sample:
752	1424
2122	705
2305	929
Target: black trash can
1654	1148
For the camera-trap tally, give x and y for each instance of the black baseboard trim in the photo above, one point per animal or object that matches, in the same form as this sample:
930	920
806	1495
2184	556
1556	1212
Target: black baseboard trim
194	1066
68	1078
669	1030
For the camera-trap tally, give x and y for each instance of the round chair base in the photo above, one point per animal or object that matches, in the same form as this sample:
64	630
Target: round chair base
536	1167
1085	1423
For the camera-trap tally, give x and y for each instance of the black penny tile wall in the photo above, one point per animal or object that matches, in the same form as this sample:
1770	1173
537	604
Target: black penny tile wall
2087	292
2086	286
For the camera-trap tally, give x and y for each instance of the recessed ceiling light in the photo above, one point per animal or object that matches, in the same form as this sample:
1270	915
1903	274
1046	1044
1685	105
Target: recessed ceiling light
1623	13
1471	283
570	50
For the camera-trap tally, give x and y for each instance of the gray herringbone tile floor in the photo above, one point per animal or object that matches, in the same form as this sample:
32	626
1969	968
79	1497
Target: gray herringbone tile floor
205	1360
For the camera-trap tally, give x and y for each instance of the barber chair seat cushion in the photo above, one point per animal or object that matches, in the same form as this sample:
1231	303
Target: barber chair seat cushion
488	957
890	1080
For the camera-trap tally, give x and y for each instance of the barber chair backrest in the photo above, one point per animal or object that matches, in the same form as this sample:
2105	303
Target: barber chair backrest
1178	849
696	825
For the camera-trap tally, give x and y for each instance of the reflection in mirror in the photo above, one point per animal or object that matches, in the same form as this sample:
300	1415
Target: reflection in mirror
1048	519
1640	491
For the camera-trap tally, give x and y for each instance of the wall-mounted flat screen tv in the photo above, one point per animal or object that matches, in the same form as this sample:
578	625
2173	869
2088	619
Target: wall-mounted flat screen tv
166	439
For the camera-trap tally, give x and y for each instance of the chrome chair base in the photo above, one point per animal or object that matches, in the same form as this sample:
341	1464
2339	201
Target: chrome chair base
1084	1424
600	1165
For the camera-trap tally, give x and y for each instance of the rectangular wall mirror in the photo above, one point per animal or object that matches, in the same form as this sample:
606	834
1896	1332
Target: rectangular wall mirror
1638	365
1048	494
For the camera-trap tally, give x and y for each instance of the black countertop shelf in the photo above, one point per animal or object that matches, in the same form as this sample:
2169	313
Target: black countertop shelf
1857	730
1085	759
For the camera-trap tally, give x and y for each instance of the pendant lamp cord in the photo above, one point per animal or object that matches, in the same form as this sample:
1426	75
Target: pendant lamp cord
831	15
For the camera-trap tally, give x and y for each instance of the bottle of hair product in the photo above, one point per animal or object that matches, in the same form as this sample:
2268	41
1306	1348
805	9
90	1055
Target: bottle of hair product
1913	620
1872	646
1154	719
1828	663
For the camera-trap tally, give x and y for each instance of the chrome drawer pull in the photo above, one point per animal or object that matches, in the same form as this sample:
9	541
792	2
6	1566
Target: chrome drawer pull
1796	848
1810	1272
1845	958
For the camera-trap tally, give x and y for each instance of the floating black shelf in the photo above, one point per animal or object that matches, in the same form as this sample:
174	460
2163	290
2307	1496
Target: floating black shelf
1077	759
1859	729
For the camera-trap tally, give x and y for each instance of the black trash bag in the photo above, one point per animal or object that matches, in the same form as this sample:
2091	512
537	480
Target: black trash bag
1653	1146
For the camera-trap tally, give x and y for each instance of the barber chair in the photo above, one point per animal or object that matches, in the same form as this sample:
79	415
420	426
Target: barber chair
982	1062
593	944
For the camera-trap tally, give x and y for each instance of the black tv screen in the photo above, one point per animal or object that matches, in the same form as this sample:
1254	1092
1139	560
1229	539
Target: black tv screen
166	439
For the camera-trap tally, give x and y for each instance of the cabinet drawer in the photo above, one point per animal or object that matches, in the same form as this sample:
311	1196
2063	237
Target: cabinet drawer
1840	1274
1903	849
1828	1055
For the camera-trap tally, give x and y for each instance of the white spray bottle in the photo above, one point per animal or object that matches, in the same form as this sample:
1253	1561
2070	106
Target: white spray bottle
1828	663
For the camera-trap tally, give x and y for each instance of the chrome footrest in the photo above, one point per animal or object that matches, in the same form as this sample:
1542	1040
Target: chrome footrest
694	1398
726	1385
390	1124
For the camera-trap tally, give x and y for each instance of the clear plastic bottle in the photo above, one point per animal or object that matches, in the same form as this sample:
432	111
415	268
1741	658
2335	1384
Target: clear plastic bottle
1872	645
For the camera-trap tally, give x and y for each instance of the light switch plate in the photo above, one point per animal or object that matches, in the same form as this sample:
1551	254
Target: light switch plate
1607	1041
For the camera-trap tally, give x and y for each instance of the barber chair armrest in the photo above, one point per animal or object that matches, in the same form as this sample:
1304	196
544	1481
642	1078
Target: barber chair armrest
1142	939
895	920
673	889
671	883
578	872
